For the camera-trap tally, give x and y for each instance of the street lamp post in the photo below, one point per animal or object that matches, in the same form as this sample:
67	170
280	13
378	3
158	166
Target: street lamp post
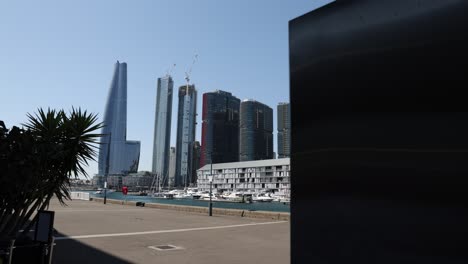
210	178
210	210
107	168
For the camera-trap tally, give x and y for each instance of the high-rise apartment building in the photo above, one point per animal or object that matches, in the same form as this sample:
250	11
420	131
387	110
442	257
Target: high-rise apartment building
220	128
117	156
172	166
186	122
256	131
195	163
284	130
162	128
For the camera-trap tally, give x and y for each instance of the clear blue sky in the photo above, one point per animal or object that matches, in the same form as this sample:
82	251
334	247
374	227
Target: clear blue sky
61	54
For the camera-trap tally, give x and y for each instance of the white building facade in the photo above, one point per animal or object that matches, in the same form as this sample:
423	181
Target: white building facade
271	175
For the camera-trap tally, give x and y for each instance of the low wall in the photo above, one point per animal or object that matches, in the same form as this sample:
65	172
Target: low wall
204	210
79	196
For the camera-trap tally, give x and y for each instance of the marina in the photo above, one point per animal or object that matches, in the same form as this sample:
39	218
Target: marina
217	203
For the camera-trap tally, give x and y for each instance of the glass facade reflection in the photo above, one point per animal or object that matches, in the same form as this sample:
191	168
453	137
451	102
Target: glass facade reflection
162	128
220	128
172	166
256	131
116	154
186	122
284	130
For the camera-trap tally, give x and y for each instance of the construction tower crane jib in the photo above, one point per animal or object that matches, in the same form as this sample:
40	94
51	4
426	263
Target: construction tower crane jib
170	70
187	73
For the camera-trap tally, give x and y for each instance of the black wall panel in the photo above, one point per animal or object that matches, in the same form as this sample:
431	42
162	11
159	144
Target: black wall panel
379	108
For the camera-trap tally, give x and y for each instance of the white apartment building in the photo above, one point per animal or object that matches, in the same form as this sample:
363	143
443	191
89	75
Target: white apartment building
260	175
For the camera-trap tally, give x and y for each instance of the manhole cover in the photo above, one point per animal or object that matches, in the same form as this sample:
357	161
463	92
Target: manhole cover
165	247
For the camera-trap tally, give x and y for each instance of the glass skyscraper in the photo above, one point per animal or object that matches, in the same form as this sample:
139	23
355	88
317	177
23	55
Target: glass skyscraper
195	162
220	128
162	128
172	166
256	131
186	122
284	130
117	156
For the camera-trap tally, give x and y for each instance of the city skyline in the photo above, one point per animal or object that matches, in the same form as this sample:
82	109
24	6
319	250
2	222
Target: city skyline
67	59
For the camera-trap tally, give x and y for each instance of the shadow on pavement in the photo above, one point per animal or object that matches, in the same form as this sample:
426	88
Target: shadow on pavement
72	251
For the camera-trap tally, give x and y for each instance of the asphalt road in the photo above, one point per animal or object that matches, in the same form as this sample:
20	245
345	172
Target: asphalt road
90	232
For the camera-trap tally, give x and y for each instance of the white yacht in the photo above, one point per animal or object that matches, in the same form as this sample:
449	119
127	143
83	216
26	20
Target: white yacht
182	195
239	197
101	191
206	196
233	196
280	198
262	197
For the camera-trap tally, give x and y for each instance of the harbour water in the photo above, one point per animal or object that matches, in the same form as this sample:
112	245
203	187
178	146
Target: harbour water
256	206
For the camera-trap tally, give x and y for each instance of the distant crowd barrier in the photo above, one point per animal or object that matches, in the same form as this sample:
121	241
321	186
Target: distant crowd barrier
80	196
204	210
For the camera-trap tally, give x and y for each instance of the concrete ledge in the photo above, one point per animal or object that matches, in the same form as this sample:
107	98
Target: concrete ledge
282	216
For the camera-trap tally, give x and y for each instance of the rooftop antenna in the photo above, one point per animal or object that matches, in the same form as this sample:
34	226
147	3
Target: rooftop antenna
187	73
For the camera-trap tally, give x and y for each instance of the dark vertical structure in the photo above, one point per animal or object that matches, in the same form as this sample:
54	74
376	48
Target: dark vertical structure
284	130
256	131
379	132
195	162
220	128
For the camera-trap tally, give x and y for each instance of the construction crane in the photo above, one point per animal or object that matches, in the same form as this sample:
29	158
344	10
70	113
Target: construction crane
170	70
187	73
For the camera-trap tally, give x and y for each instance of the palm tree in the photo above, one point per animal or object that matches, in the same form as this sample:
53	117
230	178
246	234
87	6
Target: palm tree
38	162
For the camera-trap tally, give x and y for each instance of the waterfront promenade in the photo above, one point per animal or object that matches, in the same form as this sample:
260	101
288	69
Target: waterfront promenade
91	232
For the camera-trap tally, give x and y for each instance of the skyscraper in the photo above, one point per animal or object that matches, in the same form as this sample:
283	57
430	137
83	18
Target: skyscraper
256	131
186	122
172	166
220	128
116	154
195	162
162	128
284	130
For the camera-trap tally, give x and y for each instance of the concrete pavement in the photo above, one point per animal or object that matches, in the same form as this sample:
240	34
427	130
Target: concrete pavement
91	232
